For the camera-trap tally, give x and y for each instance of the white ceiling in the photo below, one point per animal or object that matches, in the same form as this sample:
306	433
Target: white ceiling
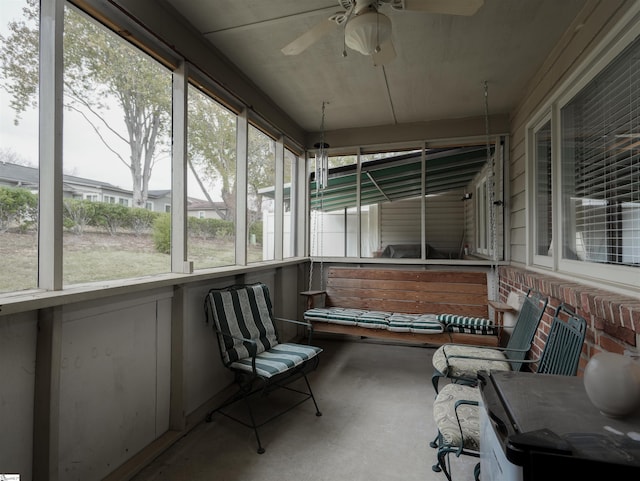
441	65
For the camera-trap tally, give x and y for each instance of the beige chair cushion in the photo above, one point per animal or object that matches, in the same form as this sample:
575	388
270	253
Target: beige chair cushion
444	414
459	367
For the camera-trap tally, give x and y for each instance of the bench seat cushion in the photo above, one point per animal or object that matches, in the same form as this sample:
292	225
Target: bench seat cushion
424	323
467	324
374	320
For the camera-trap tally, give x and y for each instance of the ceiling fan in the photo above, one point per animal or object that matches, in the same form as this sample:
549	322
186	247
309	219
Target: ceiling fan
368	31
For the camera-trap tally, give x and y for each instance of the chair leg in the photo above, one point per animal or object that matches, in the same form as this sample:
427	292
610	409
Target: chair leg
435	379
253	425
434	443
318	413
443	457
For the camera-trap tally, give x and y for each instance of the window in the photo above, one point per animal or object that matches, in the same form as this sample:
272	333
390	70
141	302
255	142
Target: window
91	197
211	137
148	205
288	223
19	149
167	208
542	215
117	96
601	166
260	175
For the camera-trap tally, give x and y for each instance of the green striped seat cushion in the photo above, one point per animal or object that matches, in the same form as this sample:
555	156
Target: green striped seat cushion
347	317
243	312
317	314
374	319
278	359
418	323
467	324
427	324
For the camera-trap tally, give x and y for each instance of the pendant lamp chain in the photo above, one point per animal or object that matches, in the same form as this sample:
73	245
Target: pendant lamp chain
321	178
491	184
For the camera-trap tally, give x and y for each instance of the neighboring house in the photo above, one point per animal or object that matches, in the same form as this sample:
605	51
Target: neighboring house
14	175
203	209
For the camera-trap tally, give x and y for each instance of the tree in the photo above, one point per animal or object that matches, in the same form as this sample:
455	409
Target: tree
212	148
101	71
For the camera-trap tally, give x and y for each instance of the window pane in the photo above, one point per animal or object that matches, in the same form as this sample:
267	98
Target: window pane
543	190
116	143
601	166
329	217
260	175
211	184
19	146
288	225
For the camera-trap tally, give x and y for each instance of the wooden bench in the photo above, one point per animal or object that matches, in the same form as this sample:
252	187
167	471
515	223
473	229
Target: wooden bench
406	291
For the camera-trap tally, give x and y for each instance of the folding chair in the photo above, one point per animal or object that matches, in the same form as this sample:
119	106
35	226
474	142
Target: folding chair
461	363
242	318
456	407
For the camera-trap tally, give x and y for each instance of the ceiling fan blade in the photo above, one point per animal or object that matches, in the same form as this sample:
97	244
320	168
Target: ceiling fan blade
450	7
386	54
310	37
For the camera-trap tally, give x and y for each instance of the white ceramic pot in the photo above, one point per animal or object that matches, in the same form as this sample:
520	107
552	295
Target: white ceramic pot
612	382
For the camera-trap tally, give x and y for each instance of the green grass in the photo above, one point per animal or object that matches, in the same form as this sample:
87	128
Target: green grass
93	257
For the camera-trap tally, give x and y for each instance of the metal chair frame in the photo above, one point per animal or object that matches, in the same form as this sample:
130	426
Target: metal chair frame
251	385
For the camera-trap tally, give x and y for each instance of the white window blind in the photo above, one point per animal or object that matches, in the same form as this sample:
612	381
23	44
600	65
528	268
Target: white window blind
601	166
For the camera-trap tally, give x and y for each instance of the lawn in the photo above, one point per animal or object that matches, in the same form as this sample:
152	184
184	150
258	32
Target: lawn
97	256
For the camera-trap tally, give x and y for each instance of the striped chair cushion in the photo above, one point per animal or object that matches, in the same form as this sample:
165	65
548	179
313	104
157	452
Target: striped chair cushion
278	359
243	312
444	414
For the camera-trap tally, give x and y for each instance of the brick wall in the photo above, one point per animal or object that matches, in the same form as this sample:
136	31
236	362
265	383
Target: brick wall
613	320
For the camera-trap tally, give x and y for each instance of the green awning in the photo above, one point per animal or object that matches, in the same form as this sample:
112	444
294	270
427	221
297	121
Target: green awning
399	177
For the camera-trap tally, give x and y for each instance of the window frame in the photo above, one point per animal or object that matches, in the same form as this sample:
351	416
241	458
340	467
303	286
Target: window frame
595	63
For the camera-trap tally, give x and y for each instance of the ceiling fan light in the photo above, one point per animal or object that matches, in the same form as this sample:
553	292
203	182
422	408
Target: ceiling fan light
367	31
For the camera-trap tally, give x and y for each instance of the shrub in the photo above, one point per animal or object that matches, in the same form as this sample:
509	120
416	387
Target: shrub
18	207
162	233
78	214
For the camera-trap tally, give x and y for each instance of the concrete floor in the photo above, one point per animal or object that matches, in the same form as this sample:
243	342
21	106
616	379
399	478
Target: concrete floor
377	423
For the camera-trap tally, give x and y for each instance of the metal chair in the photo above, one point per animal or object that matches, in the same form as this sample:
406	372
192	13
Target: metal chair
456	407
461	363
242	318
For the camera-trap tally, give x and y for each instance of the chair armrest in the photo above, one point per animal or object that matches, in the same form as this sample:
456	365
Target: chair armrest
311	295
293	321
308	325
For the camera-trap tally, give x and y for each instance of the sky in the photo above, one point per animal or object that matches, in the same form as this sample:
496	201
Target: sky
84	153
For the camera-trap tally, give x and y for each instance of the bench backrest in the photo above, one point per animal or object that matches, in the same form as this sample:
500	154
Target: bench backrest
408	291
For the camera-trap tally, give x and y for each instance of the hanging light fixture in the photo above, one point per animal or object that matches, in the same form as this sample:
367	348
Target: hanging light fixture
367	31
